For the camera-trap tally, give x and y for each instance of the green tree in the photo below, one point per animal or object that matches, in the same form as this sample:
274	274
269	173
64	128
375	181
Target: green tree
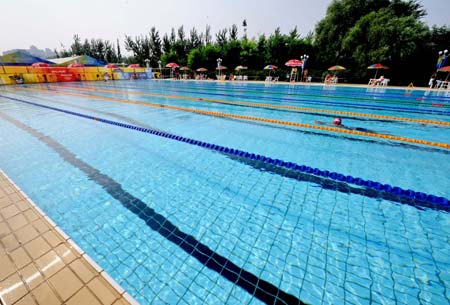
233	32
221	37
76	48
170	56
155	47
87	49
139	46
196	58
208	38
357	33
340	18
383	37
195	39
119	53
166	44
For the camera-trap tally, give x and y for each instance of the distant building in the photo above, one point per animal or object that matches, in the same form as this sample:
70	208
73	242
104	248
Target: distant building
21	58
46	53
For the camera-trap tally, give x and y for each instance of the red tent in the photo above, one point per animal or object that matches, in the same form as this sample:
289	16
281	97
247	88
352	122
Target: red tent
134	66
111	66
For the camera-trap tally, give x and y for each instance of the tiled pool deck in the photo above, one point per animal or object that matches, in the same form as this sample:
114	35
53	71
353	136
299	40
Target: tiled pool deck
40	264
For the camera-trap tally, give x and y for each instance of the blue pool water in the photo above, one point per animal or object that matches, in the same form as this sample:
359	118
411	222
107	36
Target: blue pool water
177	223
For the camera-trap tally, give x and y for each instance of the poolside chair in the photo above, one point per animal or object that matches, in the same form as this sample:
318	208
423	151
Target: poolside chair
372	82
309	79
445	85
268	78
245	77
384	82
275	79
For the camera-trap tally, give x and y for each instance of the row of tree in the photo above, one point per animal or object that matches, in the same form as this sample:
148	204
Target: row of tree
354	34
98	48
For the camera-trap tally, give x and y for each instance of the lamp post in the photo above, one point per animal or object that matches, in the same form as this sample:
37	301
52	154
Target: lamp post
442	58
304	58
160	70
219	61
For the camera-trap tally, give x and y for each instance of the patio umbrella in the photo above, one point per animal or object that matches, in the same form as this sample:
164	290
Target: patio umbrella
184	69
337	68
239	68
377	67
110	66
294	63
221	68
201	69
134	66
270	68
75	65
172	65
40	64
445	69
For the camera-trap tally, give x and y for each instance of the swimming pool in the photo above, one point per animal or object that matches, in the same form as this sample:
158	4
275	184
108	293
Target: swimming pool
153	181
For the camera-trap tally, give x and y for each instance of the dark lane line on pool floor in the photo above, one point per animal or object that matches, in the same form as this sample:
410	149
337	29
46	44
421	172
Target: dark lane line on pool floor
374	189
261	289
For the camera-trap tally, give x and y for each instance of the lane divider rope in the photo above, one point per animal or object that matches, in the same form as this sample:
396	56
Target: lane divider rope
420	110
429	200
372	97
249	104
257	119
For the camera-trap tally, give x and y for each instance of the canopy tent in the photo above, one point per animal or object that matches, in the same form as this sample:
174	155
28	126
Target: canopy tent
21	58
85	60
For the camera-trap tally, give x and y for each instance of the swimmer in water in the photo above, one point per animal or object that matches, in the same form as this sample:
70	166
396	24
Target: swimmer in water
337	122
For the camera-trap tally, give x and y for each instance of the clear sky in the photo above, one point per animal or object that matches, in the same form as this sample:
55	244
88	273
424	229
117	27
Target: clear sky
48	23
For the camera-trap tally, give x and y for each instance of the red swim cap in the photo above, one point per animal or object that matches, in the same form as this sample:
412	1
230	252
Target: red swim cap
337	121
